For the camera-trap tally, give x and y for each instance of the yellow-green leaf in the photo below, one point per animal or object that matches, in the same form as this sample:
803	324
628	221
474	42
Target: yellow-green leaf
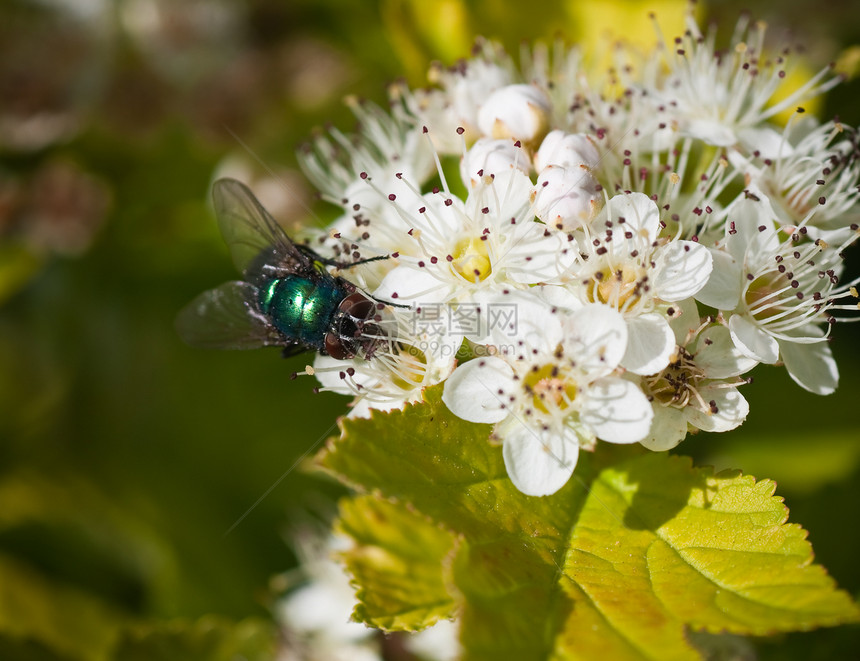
397	562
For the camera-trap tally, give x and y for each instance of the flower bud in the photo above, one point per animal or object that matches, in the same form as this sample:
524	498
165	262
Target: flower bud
568	150
520	112
494	157
566	198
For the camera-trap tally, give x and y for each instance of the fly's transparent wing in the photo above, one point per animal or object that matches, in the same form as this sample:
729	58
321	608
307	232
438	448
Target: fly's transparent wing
259	246
225	318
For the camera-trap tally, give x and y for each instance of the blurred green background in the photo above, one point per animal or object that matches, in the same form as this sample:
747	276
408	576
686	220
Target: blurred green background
125	456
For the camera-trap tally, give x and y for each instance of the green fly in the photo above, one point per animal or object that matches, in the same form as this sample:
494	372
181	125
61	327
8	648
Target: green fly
287	297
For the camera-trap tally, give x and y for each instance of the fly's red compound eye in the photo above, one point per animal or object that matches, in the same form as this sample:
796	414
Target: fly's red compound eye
357	305
335	347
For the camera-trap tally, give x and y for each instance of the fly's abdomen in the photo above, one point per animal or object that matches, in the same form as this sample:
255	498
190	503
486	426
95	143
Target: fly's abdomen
301	308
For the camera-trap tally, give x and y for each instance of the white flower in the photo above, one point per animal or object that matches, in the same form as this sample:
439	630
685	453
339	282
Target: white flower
778	293
725	98
551	390
317	616
698	389
626	266
815	184
387	144
458	251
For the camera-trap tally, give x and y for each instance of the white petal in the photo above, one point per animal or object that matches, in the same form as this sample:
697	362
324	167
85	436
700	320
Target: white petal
530	256
639	212
717	355
596	337
331	373
752	341
744	164
732	409
723	289
442	216
506	196
538	462
520	316
751	236
650	344
472	390
767	142
668	428
363	408
683	268
409	285
710	131
811	366
470	318
559	297
617	411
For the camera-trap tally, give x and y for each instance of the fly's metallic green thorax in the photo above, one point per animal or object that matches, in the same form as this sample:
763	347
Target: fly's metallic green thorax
286	296
301	308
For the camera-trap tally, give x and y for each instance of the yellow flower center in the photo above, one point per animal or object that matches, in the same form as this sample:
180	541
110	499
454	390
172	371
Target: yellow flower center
410	367
549	388
616	288
472	260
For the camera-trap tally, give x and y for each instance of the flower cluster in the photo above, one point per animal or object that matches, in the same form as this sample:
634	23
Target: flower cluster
584	255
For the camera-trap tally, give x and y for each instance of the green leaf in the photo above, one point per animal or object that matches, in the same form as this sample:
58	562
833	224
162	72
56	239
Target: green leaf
106	551
634	550
65	620
210	638
397	562
69	560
